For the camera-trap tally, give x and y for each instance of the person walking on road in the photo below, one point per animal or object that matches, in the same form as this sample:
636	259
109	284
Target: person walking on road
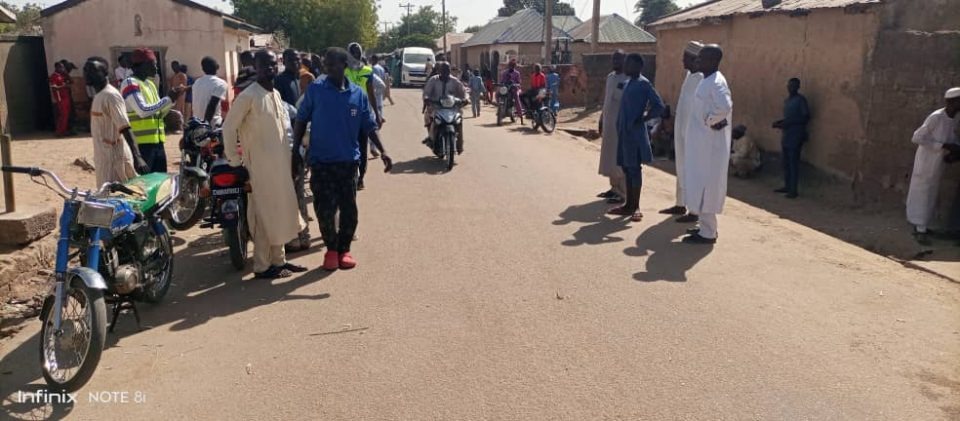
288	85
633	147
476	92
115	153
681	120
345	115
612	101
937	137
361	75
796	115
258	123
146	110
707	150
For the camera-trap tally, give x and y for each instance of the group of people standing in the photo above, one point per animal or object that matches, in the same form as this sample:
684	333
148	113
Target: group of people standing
271	111
702	137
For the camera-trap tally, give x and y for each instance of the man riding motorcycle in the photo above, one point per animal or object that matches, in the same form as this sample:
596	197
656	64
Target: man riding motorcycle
438	87
538	81
512	76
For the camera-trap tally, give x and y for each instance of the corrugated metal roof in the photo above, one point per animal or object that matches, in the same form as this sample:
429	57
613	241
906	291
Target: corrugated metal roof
523	27
613	29
566	23
453	38
720	8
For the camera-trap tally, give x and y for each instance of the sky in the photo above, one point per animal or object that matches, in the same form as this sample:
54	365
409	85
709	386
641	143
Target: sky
468	12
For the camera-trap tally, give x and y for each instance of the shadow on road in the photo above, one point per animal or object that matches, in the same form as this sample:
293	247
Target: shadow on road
205	287
422	165
599	228
667	259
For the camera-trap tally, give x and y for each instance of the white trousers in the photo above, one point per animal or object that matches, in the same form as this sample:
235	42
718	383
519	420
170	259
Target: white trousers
619	185
264	253
708	225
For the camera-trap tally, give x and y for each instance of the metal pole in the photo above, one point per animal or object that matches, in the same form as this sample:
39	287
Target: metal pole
595	37
548	32
10	204
443	7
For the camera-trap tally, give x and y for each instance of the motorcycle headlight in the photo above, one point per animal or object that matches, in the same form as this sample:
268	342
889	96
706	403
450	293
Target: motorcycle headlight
447	102
503	90
95	214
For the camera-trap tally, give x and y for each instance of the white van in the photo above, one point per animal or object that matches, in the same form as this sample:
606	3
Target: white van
413	61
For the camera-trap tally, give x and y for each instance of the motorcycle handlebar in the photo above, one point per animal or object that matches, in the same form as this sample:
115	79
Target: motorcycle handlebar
32	171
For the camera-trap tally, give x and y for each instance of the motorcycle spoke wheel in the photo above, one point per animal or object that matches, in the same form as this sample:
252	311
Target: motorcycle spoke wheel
68	357
548	122
188	208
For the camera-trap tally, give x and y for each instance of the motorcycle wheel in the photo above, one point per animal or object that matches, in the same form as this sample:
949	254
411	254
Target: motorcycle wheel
69	357
451	147
155	292
548	121
238	241
189	207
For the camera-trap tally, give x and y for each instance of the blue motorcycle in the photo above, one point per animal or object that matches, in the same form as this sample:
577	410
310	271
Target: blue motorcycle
126	253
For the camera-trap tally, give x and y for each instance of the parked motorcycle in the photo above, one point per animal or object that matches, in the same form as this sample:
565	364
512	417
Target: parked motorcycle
228	189
540	112
447	115
506	106
127	256
198	150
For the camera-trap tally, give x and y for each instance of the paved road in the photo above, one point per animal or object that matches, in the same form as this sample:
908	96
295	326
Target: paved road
500	291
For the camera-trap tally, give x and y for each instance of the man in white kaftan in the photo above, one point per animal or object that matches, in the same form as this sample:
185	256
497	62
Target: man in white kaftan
682	118
934	139
707	151
258	120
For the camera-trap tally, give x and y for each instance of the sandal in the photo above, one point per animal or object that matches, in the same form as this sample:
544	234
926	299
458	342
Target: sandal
293	268
620	211
636	217
274	272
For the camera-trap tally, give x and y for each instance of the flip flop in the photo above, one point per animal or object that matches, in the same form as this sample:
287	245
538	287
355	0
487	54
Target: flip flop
636	217
293	268
274	272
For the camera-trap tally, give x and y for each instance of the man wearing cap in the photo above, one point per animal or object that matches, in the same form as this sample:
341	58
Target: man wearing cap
935	139
684	109
146	109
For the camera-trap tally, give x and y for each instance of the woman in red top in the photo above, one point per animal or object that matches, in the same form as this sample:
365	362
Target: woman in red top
538	81
62	101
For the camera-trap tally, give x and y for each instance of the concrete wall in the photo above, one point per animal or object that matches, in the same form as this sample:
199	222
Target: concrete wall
579	49
917	57
102	27
825	49
596	67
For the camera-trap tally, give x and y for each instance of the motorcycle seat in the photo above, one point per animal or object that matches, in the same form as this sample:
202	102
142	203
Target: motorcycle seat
153	188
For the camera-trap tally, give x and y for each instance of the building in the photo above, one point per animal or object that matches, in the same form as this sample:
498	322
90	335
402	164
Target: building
454	41
176	29
517	37
872	71
616	33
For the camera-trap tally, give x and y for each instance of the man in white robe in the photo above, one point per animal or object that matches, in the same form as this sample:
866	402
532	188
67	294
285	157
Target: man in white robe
684	104
707	151
934	139
258	123
612	99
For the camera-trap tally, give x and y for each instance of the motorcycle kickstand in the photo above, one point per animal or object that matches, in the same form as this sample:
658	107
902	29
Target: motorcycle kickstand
124	303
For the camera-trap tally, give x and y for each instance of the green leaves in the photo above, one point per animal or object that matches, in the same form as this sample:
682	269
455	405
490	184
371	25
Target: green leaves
651	10
513	6
314	25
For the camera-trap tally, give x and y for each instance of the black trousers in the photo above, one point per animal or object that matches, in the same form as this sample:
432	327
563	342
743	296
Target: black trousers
155	156
791	167
334	188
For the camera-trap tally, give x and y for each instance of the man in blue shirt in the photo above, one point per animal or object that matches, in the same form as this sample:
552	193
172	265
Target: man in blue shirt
340	115
796	115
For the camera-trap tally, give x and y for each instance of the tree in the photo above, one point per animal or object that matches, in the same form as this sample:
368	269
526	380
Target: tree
27	19
513	6
651	10
419	29
314	25
473	29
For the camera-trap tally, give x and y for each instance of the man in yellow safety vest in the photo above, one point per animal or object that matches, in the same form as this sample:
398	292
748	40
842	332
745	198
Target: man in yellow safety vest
146	109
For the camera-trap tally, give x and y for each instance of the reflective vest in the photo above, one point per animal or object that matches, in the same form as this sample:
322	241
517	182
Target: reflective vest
359	77
147	130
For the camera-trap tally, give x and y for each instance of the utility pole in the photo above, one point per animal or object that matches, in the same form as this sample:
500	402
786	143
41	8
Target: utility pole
443	10
409	7
595	38
548	32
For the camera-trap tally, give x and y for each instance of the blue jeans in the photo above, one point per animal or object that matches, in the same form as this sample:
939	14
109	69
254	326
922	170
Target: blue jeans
791	167
155	156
